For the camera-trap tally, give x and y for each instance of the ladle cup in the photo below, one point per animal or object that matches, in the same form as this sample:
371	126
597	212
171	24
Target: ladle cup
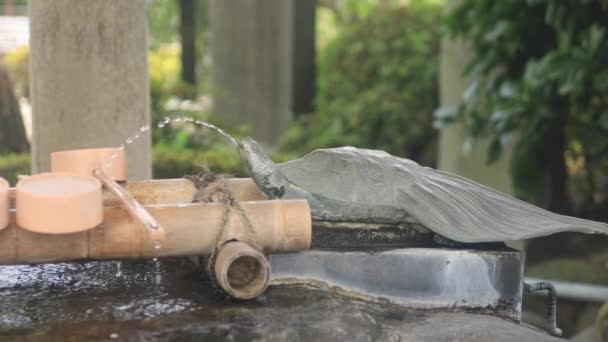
59	203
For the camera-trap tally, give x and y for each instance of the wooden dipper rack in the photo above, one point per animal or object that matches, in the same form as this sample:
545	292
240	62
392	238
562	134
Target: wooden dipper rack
190	228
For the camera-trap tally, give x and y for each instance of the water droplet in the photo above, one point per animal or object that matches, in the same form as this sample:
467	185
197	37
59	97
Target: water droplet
218	130
118	268
158	277
157	245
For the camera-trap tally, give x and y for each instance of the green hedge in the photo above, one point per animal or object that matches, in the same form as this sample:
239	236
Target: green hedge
12	165
167	163
377	84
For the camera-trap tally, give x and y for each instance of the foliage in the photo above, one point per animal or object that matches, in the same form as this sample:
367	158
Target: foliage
167	162
164	70
326	27
182	145
580	270
220	158
541	77
163	22
13	165
17	62
377	82
19	7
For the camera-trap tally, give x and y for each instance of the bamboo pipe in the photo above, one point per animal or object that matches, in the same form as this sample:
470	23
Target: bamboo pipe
166	191
190	229
172	191
242	271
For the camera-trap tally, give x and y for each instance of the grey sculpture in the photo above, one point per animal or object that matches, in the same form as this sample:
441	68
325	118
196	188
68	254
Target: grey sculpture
348	184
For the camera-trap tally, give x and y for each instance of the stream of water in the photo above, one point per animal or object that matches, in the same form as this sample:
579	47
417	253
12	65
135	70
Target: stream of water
143	131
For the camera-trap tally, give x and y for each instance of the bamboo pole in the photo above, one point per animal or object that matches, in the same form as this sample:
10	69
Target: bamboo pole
173	191
190	229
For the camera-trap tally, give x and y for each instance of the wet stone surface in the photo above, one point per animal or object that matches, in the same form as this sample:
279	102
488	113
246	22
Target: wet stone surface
170	300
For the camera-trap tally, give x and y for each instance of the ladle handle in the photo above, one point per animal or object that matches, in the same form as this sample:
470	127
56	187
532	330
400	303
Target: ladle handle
135	209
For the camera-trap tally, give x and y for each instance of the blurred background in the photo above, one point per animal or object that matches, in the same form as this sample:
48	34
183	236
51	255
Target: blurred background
512	94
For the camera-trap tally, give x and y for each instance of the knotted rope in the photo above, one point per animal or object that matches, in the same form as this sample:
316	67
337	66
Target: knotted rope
213	188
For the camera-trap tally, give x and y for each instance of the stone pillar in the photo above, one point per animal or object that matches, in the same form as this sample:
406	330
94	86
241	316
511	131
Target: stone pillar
89	78
453	156
251	44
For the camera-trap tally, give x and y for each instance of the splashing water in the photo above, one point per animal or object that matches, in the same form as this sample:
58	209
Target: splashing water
145	130
158	275
157	246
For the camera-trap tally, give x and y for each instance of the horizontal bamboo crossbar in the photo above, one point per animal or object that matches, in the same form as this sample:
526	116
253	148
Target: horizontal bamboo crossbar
190	229
173	191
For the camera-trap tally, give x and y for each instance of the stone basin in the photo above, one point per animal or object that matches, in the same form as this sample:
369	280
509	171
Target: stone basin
172	300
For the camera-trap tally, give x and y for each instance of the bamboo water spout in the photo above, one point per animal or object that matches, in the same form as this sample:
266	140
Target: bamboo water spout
242	271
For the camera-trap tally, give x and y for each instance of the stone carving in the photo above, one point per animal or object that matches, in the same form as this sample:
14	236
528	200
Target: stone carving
348	184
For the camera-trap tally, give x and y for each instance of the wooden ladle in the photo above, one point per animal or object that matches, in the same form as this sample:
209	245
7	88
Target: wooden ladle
108	165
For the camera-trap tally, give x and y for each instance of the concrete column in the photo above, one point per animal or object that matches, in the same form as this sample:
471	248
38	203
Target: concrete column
89	78
454	157
251	43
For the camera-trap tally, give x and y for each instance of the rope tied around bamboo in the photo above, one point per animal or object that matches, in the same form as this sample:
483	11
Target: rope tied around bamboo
236	265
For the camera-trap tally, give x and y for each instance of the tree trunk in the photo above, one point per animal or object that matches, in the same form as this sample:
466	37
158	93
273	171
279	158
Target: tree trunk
12	133
89	79
304	56
187	31
263	55
251	46
555	193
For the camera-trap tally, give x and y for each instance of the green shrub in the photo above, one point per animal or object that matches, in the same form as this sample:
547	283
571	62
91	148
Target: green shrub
377	84
168	163
181	146
541	79
18	62
13	165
